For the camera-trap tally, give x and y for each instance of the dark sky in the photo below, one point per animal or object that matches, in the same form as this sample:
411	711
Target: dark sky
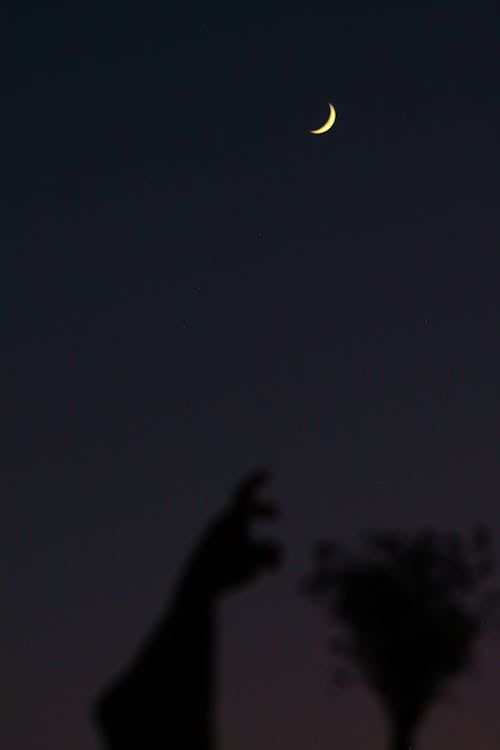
193	285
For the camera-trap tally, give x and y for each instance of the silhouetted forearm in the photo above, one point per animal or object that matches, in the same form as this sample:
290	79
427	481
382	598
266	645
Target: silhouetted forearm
165	699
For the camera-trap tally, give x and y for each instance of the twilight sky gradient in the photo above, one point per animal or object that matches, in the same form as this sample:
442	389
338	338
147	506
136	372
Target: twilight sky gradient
193	285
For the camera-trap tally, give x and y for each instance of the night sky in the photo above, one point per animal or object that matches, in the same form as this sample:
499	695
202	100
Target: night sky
193	285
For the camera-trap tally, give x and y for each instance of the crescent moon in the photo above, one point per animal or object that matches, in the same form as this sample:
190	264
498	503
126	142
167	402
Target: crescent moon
328	124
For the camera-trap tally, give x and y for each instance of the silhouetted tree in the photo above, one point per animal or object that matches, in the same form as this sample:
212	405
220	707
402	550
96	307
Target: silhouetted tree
407	611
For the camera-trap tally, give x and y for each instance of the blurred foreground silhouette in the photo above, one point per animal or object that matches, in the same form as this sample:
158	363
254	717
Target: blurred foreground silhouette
407	612
165	698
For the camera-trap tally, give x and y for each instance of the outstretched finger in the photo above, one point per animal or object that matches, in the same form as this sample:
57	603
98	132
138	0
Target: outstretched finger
245	503
250	484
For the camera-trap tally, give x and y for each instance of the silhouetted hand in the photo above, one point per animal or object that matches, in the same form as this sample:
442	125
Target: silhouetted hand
166	697
228	556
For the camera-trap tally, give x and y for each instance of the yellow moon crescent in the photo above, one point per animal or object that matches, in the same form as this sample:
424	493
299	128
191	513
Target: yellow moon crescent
328	124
